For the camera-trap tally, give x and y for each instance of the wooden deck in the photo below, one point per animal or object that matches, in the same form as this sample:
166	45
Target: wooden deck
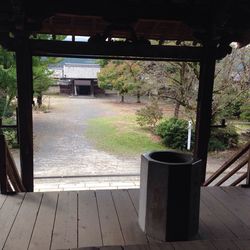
65	220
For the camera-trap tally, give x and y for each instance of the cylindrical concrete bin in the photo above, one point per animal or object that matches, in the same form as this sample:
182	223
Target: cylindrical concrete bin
169	195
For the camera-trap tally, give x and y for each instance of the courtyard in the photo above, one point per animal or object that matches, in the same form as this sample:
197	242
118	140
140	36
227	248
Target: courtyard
65	158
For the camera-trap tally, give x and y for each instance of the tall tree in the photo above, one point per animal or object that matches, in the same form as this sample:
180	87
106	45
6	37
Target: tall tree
232	84
173	80
116	75
7	80
42	76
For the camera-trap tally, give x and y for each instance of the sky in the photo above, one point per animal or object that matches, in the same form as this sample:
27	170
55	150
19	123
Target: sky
77	38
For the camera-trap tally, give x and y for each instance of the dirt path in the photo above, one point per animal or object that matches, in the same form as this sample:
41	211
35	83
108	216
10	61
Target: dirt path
60	147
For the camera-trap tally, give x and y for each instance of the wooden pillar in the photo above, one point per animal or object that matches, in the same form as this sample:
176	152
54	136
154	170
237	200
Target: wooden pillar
25	99
92	88
204	105
248	170
3	171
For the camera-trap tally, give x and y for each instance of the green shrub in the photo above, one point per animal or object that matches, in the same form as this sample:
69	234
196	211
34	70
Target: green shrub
10	136
245	112
149	116
223	138
233	110
174	132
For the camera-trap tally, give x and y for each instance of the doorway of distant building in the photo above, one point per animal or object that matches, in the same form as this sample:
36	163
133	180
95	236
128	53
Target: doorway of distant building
83	87
83	90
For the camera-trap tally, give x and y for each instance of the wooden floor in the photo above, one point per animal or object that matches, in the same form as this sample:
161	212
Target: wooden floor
103	218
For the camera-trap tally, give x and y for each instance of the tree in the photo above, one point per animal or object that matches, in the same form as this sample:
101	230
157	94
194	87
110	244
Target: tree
232	84
116	75
42	76
177	81
7	80
135	74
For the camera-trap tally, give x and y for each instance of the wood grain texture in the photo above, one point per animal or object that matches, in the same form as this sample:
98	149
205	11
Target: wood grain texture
89	233
191	245
8	215
233	202
225	244
65	228
217	227
41	237
243	244
21	232
228	218
135	195
67	220
128	218
2	200
110	226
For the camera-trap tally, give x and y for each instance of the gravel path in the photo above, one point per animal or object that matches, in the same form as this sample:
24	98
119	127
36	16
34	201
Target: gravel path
60	147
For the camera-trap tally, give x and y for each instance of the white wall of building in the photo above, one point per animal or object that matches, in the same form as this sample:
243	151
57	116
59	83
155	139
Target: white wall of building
87	71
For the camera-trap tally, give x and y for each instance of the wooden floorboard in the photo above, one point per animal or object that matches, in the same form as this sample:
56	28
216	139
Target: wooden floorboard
192	245
8	215
21	232
65	228
205	232
134	195
226	216
161	246
243	244
89	233
233	203
2	200
128	218
110	226
225	244
41	237
137	247
108	219
219	230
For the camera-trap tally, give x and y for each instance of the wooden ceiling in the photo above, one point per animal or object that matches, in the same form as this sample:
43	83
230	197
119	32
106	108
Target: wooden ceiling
149	19
92	25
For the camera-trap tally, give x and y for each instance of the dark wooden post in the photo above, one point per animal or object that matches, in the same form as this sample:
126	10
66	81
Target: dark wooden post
3	171
248	170
204	105
92	88
25	98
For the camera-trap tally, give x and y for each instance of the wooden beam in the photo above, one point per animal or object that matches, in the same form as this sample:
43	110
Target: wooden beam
25	98
115	50
204	106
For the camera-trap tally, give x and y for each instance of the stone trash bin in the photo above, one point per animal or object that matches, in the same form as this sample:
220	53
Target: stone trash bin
169	195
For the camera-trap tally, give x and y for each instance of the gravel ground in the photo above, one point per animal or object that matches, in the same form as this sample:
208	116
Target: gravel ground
61	148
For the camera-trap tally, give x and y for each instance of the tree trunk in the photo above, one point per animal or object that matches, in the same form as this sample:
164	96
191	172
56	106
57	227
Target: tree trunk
177	110
39	100
6	106
138	95
122	98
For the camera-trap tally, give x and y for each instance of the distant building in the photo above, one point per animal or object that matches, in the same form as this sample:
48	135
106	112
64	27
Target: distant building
77	78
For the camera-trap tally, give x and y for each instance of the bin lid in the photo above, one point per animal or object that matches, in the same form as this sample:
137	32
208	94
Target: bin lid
171	157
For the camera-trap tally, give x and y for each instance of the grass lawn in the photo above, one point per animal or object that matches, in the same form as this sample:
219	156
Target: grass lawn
121	135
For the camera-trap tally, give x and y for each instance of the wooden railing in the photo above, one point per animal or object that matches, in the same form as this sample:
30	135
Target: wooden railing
10	181
243	159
